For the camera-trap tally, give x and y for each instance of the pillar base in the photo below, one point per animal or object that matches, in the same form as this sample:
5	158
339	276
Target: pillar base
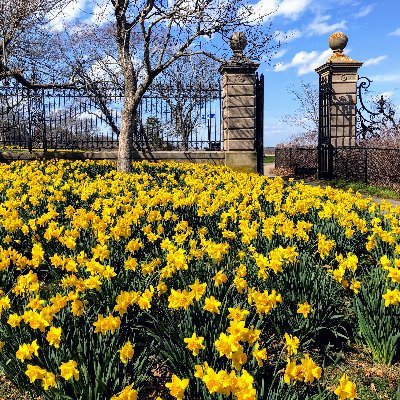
241	161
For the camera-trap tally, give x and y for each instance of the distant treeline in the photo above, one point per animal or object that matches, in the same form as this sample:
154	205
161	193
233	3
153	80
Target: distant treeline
269	150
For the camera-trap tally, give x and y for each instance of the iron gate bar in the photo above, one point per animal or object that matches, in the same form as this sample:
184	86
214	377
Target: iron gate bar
325	147
259	142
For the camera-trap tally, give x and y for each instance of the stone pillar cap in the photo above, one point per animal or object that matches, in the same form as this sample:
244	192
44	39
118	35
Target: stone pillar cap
342	66
243	65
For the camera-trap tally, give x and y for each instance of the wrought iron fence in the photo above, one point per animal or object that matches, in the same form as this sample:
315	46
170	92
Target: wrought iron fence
300	160
169	118
372	165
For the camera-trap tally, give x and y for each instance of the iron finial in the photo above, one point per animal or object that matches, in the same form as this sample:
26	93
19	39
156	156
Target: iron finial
381	104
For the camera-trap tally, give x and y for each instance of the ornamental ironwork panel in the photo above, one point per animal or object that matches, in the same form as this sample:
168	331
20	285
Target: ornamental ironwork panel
36	120
14	115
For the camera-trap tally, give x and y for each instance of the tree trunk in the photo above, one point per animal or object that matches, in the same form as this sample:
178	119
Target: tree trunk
129	120
130	107
128	128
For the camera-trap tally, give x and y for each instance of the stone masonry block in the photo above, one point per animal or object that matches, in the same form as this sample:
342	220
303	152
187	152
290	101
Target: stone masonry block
240	101
242	161
240	90
343	120
235	134
238	123
344	98
240	112
239	144
344	88
238	79
343	141
343	77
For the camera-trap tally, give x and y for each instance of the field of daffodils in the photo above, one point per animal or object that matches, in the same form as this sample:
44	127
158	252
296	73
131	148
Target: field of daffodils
190	282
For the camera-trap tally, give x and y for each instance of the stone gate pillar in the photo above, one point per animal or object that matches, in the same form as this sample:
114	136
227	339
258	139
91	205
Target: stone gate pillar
238	108
338	115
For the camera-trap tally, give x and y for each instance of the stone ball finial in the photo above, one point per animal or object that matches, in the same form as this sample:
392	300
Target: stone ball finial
238	43
338	41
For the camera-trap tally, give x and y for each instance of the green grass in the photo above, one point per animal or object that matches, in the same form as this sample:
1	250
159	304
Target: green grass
269	159
370	190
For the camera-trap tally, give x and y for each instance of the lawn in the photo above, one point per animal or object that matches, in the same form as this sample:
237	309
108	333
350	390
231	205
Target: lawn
183	281
361	187
269	159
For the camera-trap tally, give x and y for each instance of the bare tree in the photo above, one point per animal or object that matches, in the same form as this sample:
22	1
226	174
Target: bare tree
188	86
148	37
25	40
182	25
378	123
91	52
305	117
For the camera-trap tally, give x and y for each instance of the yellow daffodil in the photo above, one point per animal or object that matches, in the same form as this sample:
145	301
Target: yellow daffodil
194	343
69	370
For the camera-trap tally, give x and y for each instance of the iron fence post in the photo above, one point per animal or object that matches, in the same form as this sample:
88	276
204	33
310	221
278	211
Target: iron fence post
44	138
291	157
260	123
29	120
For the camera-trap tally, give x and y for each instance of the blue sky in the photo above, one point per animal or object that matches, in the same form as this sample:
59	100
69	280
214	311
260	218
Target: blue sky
373	29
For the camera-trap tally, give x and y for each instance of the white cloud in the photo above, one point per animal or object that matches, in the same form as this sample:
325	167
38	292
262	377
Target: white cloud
387	95
305	62
68	14
101	13
374	61
101	69
278	131
365	11
320	27
395	32
280	53
287	8
288	36
386	78
90	114
293	8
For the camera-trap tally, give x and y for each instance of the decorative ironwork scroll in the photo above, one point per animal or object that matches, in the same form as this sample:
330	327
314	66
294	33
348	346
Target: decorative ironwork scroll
370	123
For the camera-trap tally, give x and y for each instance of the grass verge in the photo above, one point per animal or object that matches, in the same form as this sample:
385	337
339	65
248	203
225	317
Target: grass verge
371	190
269	159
